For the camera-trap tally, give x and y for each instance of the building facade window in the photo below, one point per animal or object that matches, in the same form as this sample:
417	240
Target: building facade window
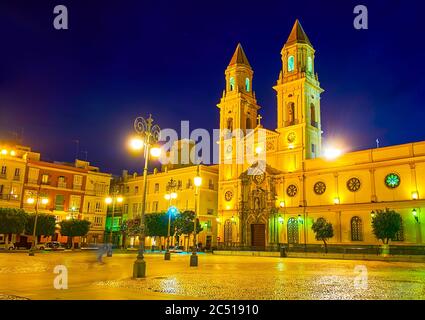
291	64
356	229
155	206
78	182
309	65
61	182
156	188
247	85
3	171
353	184
17	174
232	83
392	180
45	179
59	202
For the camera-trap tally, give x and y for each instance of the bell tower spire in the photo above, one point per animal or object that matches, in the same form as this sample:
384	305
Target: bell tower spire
298	95
238	106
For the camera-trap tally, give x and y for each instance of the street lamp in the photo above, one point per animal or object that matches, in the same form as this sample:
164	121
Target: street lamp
171	194
148	135
31	200
197	182
114	199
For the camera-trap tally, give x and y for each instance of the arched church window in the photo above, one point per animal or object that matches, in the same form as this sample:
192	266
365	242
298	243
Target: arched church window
313	115
291	64
291	113
248	123
230	124
232	84
309	65
247	85
356	229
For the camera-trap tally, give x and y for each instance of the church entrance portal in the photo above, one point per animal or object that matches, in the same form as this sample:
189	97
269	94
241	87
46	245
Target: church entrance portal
258	236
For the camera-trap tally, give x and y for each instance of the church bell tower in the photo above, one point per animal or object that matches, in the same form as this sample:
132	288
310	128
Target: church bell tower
298	96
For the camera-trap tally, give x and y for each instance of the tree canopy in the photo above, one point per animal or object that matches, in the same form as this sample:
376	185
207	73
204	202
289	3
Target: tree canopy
12	220
74	227
323	231
45	225
386	224
184	223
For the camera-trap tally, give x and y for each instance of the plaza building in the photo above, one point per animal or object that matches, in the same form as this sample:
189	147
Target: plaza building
73	190
301	183
12	171
131	187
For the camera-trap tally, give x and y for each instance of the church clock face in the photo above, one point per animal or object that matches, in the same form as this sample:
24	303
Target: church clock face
229	149
259	178
291	137
228	195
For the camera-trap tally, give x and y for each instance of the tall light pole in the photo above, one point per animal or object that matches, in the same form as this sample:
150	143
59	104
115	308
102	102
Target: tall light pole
171	194
148	135
114	199
197	182
31	200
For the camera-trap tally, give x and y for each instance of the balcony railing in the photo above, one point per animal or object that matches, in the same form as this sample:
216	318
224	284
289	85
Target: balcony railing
17	178
32	181
3	176
9	197
62	185
76	186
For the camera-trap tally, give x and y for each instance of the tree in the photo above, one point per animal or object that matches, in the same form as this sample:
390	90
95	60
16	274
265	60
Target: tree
386	224
323	231
12	221
74	228
183	224
156	224
45	225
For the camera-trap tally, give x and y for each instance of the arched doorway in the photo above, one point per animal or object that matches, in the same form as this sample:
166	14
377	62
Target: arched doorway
293	237
258	236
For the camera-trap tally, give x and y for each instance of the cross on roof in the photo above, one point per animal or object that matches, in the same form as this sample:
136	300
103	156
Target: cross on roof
259	117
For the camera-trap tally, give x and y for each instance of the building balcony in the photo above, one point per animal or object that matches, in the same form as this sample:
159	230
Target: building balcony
32	181
62	185
17	178
9	197
77	187
3	176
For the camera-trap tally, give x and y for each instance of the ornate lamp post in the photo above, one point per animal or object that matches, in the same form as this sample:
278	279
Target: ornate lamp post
114	199
148	135
31	200
170	195
197	182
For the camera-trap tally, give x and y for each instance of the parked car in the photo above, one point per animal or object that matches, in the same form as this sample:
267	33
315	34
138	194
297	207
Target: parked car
52	245
22	245
9	246
176	249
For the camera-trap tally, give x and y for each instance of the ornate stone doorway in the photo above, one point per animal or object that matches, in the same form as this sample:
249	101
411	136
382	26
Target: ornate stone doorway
293	237
258	236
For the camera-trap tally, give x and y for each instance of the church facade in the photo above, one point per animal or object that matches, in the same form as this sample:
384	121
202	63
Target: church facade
297	185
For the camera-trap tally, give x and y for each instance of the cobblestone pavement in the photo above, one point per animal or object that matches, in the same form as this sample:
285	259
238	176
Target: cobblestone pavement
217	277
